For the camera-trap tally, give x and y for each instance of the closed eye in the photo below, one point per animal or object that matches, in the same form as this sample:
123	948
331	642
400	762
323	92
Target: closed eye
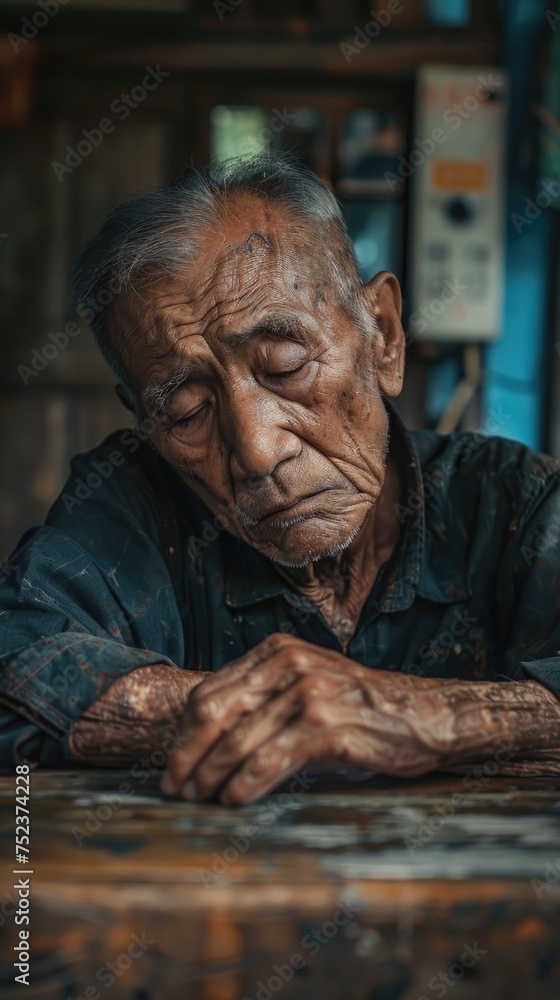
192	417
286	374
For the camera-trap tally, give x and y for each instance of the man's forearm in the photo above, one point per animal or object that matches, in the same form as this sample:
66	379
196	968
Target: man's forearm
140	711
135	716
290	705
523	715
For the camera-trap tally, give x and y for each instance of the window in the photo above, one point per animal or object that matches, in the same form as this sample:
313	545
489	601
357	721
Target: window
355	149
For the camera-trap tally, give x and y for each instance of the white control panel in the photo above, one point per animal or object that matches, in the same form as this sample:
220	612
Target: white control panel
455	163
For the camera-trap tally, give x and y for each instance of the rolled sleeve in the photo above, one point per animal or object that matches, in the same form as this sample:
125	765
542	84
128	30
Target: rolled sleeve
546	672
84	600
54	680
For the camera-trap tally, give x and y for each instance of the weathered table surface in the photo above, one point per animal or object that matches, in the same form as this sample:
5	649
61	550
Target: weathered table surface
389	890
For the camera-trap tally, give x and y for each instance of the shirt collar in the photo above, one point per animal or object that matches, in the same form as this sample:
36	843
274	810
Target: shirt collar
421	564
251	577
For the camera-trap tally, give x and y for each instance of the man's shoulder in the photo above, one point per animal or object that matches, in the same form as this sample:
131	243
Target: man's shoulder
122	477
474	453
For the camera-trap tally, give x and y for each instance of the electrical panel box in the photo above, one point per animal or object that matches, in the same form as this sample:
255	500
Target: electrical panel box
455	163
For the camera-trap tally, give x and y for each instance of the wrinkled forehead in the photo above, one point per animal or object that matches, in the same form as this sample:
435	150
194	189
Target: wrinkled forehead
255	241
257	257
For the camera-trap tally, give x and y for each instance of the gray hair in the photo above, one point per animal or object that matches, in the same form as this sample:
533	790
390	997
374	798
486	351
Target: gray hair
158	232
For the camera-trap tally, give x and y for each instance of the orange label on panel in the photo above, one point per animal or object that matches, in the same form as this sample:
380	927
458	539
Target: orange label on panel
460	175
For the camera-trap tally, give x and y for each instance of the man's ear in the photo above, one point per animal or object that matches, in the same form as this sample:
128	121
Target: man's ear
125	397
383	301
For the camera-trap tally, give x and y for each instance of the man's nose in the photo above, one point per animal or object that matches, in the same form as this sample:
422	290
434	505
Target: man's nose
258	437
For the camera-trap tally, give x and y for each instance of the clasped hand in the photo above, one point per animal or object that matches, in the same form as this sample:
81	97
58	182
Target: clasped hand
288	704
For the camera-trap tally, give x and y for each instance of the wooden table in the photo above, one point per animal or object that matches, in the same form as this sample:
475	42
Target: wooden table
385	890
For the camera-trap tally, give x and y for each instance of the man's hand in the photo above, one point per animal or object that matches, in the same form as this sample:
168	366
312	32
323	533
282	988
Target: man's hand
288	704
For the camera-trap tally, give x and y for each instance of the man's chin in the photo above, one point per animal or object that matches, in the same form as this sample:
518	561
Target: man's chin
297	546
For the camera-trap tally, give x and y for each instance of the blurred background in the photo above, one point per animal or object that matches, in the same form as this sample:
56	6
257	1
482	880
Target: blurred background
437	123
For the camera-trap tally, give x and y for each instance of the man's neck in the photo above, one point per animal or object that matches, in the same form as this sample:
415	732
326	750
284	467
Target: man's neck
339	585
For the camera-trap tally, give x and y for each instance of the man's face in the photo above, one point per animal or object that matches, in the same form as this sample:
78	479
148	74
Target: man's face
272	394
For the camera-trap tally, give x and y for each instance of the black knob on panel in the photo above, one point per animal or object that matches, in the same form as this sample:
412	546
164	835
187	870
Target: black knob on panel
460	210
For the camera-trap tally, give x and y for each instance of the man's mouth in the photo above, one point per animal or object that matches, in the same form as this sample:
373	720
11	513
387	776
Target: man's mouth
297	510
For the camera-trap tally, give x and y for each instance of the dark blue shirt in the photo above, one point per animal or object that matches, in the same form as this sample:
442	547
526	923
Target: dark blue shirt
131	568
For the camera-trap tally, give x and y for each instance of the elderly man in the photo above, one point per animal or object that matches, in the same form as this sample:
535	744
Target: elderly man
270	573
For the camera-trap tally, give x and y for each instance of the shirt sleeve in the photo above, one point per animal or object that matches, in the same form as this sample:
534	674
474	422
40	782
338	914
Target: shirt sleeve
84	599
534	651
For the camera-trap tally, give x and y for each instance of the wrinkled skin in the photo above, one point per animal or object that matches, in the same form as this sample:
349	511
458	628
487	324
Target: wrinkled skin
289	704
294	410
283	402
